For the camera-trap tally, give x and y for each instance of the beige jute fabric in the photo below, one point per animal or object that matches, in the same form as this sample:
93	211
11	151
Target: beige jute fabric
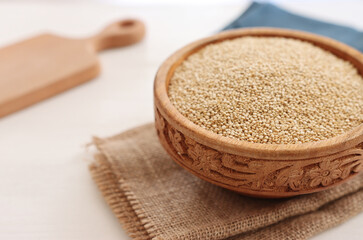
154	198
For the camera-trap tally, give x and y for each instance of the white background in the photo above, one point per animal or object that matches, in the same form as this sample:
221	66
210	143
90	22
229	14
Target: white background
46	191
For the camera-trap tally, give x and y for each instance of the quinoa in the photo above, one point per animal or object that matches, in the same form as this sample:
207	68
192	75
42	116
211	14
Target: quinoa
268	90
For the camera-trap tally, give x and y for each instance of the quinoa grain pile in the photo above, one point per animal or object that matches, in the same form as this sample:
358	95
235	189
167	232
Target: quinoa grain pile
268	90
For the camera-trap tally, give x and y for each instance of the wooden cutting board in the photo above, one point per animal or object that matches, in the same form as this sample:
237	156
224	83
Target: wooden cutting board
43	66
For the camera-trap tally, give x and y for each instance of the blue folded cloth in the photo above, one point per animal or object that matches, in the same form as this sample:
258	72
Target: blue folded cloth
268	15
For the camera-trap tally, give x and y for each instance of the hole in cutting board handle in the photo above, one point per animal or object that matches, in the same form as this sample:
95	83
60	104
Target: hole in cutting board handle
127	23
118	34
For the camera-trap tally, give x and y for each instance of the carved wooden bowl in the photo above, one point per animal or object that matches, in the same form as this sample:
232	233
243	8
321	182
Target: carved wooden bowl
262	170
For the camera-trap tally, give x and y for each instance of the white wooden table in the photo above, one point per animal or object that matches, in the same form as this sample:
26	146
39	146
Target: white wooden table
46	191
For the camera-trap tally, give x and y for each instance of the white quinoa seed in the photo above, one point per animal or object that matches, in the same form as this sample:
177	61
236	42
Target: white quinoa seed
268	90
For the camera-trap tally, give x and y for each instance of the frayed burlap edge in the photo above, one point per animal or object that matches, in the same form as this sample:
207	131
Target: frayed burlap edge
120	199
128	210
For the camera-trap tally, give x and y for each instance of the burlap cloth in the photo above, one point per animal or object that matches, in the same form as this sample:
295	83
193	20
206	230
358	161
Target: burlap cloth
154	198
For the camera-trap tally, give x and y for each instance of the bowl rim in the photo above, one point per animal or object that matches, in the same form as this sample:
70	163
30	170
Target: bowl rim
244	148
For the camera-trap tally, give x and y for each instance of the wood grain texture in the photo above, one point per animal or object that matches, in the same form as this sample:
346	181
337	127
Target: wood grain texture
40	67
263	170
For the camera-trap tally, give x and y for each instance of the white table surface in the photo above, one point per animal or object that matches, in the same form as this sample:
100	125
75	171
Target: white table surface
46	191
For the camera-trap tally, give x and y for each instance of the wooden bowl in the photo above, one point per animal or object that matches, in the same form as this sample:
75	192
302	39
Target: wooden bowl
261	170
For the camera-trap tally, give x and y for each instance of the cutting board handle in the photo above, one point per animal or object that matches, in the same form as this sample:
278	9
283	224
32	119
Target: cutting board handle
118	34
